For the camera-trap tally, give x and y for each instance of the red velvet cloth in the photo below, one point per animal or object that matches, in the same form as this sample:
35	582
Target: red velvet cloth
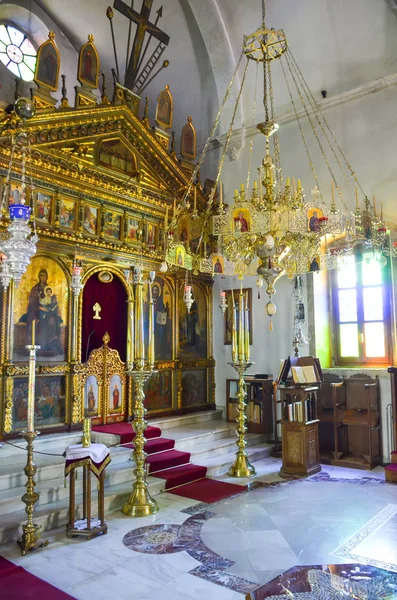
112	297
125	431
18	584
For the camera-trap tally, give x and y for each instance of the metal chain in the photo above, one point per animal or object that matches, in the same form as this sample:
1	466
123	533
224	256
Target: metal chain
339	191
222	160
214	127
276	141
312	167
252	123
319	111
316	110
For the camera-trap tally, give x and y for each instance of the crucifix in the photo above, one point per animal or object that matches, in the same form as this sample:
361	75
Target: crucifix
144	26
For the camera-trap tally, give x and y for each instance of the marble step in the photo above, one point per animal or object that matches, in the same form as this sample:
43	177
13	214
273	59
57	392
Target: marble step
43	443
204	420
57	513
118	472
117	489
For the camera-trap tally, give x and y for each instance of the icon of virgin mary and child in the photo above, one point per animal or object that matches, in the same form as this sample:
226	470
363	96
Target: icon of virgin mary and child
44	309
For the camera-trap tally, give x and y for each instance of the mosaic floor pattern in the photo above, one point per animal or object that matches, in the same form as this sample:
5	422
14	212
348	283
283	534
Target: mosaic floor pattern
375	543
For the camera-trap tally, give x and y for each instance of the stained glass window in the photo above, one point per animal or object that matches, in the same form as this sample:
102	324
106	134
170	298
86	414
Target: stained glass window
17	52
360	295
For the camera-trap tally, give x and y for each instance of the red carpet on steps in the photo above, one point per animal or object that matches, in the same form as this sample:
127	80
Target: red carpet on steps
125	431
18	584
173	465
208	490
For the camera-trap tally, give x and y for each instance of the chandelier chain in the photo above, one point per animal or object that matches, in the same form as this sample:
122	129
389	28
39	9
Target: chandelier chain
319	111
316	110
214	127
312	167
222	160
314	129
264	13
252	123
276	141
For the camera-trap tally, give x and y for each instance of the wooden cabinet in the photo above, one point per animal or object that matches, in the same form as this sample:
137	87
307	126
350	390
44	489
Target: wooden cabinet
299	429
258	400
349	414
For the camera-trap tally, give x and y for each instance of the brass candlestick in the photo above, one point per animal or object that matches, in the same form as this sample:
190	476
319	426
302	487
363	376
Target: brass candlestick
140	503
86	441
31	536
241	466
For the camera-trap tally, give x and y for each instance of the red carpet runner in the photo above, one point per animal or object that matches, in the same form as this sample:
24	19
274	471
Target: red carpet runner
18	584
173	465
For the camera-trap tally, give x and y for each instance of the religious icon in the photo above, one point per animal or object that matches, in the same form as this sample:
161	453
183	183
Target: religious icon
164	108
114	155
158	391
188	140
67	213
218	264
151	231
180	256
112	225
133	227
241	217
88	64
91	396
313	219
49	404
44	288
162	304
367	225
228	318
47	65
115	394
14	197
90	217
194	387
193	326
315	264
43	207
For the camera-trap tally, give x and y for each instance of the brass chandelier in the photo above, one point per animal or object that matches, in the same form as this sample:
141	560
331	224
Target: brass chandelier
270	228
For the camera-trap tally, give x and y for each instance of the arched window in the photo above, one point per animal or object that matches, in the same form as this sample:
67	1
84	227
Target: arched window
17	52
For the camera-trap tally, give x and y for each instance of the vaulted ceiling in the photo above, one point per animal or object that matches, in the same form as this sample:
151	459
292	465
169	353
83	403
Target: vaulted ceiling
339	45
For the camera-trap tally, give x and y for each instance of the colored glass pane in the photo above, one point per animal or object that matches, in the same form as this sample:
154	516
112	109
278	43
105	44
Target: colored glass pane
346	272
371	271
4	37
373	304
14	53
347	305
349	340
15	35
374	340
2	47
28	48
30	61
26	73
4	58
13	68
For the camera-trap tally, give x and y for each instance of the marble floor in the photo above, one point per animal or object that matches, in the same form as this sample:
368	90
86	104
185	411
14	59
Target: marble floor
228	549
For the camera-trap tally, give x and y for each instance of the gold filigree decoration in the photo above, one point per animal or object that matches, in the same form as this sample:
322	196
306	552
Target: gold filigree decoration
9	390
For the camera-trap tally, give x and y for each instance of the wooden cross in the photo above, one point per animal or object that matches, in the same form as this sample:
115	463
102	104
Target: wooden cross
144	25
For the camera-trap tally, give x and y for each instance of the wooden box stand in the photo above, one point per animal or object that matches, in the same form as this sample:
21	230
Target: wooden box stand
299	431
88	526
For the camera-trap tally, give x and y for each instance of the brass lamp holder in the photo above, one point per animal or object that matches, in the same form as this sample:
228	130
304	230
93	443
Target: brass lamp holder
140	503
241	466
31	536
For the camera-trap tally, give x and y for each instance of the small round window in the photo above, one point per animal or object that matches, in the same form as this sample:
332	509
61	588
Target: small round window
17	52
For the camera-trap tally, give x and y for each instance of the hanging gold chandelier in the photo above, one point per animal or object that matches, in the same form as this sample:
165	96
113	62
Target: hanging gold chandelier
270	228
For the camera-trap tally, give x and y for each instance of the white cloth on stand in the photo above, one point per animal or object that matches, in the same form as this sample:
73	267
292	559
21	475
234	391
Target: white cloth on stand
96	452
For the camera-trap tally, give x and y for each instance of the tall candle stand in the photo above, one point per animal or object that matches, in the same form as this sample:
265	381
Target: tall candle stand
31	536
140	503
240	362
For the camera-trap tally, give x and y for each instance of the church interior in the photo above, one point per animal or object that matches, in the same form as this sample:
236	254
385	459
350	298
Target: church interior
198	267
